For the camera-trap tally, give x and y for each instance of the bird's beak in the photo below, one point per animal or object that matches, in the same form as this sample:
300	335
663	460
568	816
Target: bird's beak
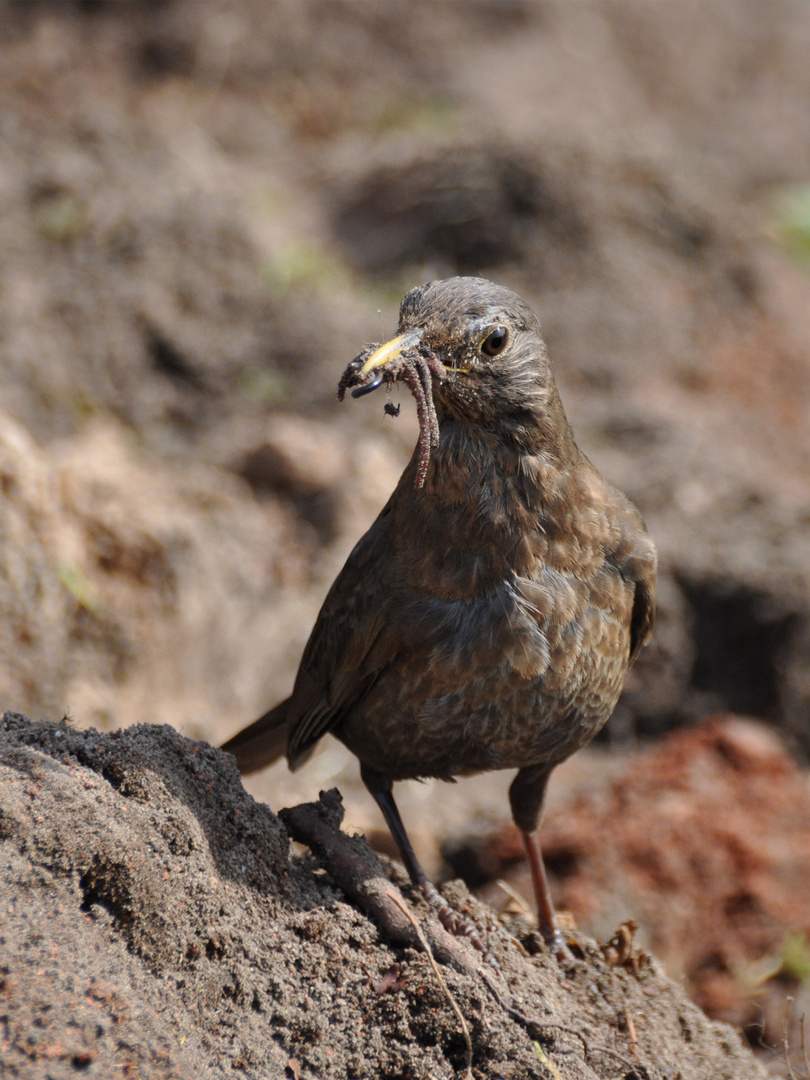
392	350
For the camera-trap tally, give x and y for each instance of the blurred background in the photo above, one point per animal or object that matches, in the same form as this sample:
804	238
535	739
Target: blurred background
207	209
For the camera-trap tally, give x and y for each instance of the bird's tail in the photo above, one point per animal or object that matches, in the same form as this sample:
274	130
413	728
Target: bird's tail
262	742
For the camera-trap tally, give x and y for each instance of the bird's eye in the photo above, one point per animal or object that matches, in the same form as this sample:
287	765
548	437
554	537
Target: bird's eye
495	342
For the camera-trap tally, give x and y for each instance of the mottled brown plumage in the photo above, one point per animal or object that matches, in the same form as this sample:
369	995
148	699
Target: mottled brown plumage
488	617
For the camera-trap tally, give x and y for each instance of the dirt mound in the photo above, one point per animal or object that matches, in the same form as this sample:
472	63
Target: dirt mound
469	207
156	921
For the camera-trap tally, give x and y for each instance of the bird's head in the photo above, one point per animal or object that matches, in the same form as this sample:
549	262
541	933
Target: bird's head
482	347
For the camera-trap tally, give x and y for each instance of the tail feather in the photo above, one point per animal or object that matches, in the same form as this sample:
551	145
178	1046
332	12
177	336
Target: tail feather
262	742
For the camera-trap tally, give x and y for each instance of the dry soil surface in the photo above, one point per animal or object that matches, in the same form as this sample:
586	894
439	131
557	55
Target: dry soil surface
157	924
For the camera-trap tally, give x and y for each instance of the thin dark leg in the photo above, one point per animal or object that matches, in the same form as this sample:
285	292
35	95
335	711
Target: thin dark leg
453	921
526	796
546	919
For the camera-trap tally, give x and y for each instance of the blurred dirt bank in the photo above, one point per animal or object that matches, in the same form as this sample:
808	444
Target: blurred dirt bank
203	208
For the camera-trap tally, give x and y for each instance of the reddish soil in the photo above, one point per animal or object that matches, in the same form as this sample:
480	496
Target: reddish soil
703	840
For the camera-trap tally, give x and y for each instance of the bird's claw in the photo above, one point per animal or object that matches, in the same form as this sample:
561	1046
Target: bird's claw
557	946
457	924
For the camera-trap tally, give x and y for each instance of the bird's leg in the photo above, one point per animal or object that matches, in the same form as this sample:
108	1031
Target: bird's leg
453	921
526	796
546	919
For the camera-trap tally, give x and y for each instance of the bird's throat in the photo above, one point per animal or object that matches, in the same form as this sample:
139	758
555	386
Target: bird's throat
465	530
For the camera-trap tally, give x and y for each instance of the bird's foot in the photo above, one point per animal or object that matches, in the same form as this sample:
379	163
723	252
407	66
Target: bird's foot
556	945
456	923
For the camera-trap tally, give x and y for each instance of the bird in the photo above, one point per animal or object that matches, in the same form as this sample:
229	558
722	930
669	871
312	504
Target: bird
488	617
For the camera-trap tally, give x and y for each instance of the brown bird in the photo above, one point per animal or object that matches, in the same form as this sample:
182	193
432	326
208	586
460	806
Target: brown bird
488	617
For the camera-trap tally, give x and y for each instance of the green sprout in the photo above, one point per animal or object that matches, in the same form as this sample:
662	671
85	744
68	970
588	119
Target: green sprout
791	208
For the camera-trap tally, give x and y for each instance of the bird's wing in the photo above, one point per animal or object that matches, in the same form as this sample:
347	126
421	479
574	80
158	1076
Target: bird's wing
643	614
348	647
632	553
640	568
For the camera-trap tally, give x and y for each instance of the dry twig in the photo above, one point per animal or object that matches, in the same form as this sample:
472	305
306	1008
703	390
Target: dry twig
786	1043
356	871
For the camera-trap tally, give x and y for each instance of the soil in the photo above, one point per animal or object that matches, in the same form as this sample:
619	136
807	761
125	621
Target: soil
205	211
156	923
702	840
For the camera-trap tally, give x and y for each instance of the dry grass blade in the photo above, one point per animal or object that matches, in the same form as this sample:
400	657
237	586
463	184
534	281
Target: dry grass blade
514	895
786	1044
546	1060
454	1004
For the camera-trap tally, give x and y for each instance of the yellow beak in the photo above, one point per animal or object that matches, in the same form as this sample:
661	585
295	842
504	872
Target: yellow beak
391	350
